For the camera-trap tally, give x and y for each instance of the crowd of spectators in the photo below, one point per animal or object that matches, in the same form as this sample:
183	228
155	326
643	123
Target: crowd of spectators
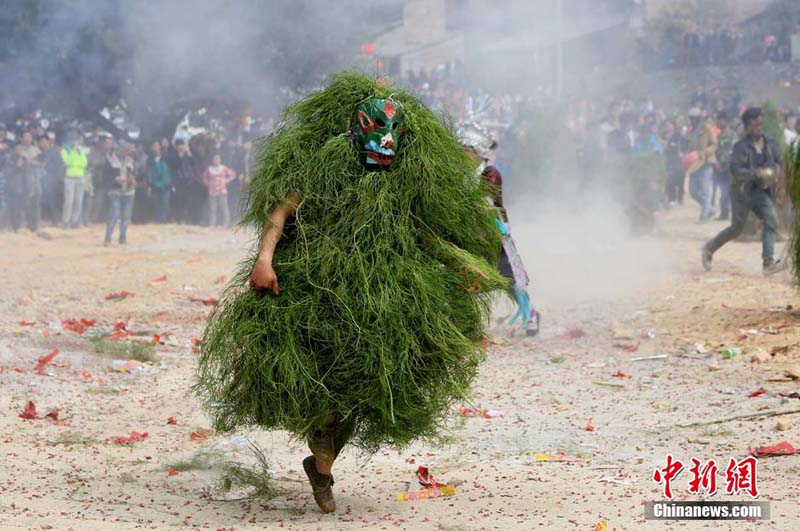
73	178
709	45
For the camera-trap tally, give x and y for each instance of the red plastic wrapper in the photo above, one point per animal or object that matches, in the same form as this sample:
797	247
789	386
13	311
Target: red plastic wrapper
758	392
589	426
135	436
210	301
171	471
27	323
782	448
30	411
620	374
426	479
44	360
53	415
171	420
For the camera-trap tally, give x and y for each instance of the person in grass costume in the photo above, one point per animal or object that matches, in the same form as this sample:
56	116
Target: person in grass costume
358	318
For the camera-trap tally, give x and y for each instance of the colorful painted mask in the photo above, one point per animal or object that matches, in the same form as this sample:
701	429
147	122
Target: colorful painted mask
378	128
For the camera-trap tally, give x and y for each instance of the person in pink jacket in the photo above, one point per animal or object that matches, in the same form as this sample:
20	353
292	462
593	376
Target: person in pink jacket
216	178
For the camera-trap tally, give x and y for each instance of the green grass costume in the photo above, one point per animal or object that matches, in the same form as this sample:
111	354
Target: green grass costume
379	323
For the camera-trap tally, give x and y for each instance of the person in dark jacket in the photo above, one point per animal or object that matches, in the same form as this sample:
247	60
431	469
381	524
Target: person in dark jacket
190	196
755	167
52	166
159	181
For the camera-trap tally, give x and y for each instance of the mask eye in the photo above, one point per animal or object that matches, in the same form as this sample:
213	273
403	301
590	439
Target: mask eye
394	126
380	123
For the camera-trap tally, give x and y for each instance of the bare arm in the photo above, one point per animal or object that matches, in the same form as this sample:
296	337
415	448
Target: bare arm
263	275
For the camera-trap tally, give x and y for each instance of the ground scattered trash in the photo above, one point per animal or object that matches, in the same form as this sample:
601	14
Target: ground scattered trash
158	281
731	352
29	413
209	301
782	448
589	426
134	436
610	384
483	413
43	361
426	479
447	490
128	366
559	458
650	358
758	392
620	374
201	434
119	295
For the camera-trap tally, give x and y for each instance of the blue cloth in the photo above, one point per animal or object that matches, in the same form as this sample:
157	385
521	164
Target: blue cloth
120	208
701	187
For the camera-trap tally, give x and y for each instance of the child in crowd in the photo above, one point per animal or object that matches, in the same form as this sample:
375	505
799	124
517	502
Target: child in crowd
216	178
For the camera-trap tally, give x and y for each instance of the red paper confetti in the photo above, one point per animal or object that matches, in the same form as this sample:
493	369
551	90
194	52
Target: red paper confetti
632	348
44	360
171	420
86	375
160	280
156	339
171	471
573	334
210	301
118	296
782	448
53	415
120	331
196	345
73	325
135	436
27	323
620	374
30	411
758	392
201	434
589	426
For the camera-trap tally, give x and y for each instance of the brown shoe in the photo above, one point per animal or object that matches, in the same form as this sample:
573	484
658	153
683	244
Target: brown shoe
320	485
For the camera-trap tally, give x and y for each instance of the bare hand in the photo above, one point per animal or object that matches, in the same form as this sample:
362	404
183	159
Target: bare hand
264	277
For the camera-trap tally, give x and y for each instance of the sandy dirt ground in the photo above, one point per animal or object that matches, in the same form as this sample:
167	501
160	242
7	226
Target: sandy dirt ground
71	475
